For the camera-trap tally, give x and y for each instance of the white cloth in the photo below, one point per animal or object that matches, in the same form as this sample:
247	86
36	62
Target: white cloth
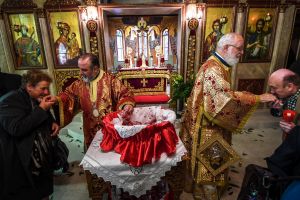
141	117
108	166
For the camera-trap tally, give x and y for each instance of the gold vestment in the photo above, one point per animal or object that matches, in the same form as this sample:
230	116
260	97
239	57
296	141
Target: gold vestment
213	109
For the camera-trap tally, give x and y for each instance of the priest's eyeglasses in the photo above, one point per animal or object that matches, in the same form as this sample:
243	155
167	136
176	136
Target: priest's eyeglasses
238	48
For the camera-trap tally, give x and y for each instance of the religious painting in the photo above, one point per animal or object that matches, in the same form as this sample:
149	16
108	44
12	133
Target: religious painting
219	21
259	33
66	40
25	40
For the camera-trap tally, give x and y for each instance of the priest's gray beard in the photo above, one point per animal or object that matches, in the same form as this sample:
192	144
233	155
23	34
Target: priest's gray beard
86	79
231	60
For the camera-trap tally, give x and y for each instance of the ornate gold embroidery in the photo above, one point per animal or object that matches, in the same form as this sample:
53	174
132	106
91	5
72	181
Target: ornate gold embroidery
217	155
62	76
144	74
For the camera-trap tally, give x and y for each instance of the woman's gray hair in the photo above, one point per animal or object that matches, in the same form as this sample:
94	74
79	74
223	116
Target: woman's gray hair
225	40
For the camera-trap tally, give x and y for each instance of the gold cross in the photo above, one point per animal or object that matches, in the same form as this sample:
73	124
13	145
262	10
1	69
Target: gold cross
144	82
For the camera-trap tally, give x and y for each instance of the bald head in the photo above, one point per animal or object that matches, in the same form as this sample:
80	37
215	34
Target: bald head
284	83
281	73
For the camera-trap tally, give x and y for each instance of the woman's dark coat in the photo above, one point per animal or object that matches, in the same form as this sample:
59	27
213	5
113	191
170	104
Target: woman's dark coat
19	120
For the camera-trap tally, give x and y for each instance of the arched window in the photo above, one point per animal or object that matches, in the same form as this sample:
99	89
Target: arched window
143	43
145	47
165	42
120	46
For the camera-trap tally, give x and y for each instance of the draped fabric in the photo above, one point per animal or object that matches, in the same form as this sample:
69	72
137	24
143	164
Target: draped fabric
143	147
111	95
213	108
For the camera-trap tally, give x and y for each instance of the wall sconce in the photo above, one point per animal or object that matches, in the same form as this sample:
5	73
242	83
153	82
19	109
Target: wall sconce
194	11
268	17
88	13
191	11
200	11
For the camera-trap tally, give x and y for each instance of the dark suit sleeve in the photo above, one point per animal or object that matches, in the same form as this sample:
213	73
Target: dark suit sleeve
18	118
285	159
9	82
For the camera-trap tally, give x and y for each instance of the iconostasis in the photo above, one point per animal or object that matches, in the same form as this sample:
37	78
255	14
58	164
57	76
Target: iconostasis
178	36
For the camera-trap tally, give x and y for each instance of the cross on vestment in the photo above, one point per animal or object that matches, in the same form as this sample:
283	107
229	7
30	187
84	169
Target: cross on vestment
144	82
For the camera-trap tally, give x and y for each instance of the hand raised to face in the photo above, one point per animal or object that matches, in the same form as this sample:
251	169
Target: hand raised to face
47	101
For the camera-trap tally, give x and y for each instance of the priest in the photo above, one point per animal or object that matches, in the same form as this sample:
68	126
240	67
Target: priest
215	109
97	93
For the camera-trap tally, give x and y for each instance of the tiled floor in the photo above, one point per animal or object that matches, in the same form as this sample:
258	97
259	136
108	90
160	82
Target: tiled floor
260	138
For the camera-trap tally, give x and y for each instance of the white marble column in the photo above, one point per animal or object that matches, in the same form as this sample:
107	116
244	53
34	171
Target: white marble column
286	36
239	28
86	37
278	37
240	18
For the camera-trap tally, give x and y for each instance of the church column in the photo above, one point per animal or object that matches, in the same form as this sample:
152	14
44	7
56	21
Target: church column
191	40
200	8
278	37
47	47
240	21
90	21
286	35
86	37
8	64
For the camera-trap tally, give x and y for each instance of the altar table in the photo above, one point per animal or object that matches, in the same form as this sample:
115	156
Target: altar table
145	82
135	181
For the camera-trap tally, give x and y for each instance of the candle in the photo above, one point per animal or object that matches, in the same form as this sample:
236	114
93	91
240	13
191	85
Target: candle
289	115
158	60
135	59
150	61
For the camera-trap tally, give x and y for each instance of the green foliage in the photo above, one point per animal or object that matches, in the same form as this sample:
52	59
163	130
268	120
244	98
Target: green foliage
181	90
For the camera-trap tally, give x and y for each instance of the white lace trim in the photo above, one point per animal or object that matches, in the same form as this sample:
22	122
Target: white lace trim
141	117
121	176
126	131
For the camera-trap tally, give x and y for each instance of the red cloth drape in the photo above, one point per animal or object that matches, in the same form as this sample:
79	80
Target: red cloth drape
141	148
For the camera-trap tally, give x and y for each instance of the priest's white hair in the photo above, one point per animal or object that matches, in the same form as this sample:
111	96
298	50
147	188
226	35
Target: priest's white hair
227	39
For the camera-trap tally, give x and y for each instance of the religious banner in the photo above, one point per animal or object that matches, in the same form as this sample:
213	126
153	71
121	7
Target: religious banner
66	37
219	21
25	40
259	34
